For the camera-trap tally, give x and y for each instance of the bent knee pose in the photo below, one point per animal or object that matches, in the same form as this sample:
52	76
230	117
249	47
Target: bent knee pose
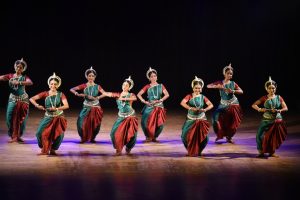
51	129
153	113
227	117
196	127
124	130
18	103
272	130
91	114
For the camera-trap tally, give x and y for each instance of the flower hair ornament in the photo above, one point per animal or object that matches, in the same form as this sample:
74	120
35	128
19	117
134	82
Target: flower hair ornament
54	76
21	62
197	80
227	67
271	83
89	71
130	81
149	71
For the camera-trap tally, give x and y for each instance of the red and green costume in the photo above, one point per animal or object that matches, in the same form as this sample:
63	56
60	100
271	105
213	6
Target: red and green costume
154	116
272	130
124	130
17	107
196	127
90	116
228	116
50	132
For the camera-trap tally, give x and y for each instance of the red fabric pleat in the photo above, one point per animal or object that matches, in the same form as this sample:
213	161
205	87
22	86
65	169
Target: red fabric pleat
19	115
125	132
54	129
90	123
229	121
156	119
195	136
274	137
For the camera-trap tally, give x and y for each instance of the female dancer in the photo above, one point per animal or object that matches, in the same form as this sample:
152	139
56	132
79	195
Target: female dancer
90	116
227	117
18	104
195	129
154	113
272	130
50	132
124	130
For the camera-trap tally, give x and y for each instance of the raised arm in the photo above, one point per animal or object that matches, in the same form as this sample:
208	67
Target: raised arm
166	95
131	98
209	105
256	107
284	107
4	78
65	103
33	101
75	89
215	85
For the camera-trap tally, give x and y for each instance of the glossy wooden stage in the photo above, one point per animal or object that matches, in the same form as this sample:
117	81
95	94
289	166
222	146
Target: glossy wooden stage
153	170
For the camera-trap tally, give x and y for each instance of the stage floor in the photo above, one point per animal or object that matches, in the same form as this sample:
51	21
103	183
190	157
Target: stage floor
153	170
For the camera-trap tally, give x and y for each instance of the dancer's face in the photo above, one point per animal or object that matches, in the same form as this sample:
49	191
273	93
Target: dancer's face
125	86
271	89
53	85
19	68
91	77
153	77
197	89
228	74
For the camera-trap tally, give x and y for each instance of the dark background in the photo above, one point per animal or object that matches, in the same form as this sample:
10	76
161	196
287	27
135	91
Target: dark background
179	39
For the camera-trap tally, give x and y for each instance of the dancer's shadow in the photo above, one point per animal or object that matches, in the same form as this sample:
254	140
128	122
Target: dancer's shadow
159	142
76	141
225	156
82	154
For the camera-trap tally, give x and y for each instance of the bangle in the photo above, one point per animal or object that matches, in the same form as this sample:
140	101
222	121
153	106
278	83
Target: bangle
20	82
189	108
233	91
36	105
76	93
259	109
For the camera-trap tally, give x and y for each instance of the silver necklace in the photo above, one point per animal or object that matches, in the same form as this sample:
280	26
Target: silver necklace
271	102
155	96
195	102
54	101
90	91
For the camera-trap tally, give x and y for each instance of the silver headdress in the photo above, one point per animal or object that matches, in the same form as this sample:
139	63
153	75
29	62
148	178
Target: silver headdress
227	67
271	83
21	61
198	80
54	76
130	81
90	70
150	70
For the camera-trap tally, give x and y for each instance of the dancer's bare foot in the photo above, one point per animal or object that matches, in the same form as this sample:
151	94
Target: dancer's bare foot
42	153
20	140
52	152
273	155
118	153
155	140
12	140
128	150
147	140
